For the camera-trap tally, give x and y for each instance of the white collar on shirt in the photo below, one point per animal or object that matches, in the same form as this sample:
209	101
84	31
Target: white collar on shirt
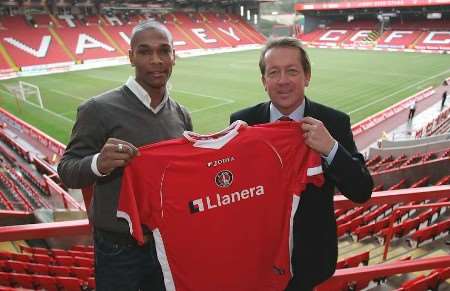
143	96
296	115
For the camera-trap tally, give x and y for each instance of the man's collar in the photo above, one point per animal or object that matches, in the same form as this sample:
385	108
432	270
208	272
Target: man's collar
296	115
143	96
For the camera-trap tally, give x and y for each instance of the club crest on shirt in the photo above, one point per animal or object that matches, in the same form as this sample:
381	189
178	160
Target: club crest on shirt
224	179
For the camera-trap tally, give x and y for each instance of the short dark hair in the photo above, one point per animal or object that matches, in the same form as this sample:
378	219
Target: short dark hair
285	42
150	24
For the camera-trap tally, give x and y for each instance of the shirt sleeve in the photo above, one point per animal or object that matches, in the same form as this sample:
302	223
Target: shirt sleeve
329	159
94	166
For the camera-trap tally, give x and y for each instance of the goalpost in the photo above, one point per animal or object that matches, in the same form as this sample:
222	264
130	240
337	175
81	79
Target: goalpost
31	94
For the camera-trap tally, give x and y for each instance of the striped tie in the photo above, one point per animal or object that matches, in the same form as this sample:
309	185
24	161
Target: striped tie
285	118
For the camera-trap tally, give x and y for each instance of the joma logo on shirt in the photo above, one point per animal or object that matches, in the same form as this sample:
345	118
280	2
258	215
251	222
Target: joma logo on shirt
210	202
220	162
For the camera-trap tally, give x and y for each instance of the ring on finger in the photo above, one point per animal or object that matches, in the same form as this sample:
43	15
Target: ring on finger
120	147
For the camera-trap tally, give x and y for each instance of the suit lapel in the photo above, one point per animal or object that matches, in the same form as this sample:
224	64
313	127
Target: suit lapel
264	113
310	109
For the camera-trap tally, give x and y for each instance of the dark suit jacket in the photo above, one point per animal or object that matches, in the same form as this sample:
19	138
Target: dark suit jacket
315	241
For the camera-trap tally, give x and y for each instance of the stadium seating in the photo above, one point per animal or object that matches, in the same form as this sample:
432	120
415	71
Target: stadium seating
39	269
21	280
88	43
5	66
32	46
412	34
46	282
242	25
398	39
70	40
354	261
35	269
69	283
233	34
42	20
429	232
370	229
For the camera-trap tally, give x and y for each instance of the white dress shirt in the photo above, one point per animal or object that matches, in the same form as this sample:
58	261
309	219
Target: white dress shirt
143	96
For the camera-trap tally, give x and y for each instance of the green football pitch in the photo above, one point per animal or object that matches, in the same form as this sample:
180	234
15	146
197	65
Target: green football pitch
211	87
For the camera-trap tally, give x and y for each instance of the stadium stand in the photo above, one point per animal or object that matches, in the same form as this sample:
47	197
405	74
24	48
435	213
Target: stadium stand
382	29
61	40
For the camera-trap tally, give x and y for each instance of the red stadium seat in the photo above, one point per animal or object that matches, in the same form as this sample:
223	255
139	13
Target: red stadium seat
444	274
433	280
22	280
59	252
370	229
5	279
64	260
443	226
420	283
46	282
4	266
21	257
354	261
443	181
82	248
417	284
18	266
84	254
378	188
32	250
25	249
42	259
69	283
91	283
84	262
59	271
40	269
82	272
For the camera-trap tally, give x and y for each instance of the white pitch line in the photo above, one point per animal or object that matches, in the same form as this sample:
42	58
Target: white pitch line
396	92
67	94
206	96
226	100
67	113
210	107
51	112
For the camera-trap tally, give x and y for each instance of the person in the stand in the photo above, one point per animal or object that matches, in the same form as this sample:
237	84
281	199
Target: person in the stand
444	94
412	110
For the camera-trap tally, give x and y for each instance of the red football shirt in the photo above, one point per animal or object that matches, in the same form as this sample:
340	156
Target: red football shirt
221	206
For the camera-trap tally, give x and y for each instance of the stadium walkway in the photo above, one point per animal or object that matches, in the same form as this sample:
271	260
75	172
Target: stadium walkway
406	130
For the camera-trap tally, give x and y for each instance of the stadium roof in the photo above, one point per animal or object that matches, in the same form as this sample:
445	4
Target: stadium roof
369	4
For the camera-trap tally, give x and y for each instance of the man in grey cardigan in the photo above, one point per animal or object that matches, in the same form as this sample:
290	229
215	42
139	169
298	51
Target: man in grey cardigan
105	137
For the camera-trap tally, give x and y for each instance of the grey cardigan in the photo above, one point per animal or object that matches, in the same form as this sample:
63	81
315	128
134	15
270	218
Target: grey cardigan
119	114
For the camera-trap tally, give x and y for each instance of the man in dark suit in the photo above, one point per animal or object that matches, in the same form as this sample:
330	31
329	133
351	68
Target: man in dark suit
285	72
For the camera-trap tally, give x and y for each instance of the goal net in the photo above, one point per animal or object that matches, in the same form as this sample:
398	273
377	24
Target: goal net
30	93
